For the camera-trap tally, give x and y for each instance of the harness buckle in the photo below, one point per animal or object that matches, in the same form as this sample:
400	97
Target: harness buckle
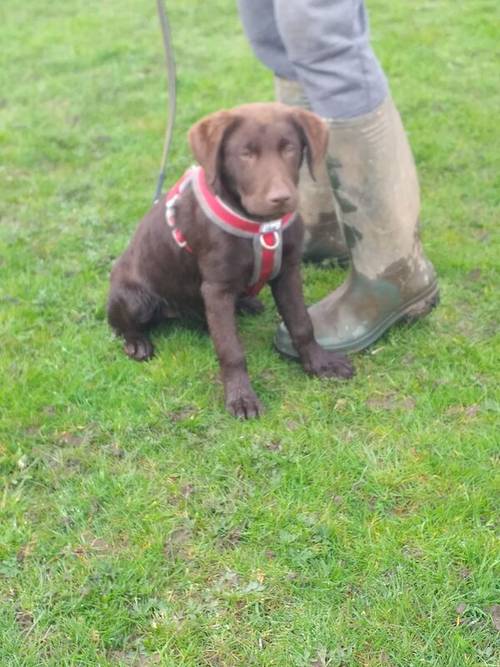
273	226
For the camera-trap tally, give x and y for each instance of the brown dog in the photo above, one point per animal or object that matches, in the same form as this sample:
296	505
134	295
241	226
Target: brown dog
228	225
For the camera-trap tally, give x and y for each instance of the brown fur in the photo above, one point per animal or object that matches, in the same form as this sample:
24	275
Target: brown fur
251	156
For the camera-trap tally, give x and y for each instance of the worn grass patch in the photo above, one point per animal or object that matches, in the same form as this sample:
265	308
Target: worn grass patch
354	524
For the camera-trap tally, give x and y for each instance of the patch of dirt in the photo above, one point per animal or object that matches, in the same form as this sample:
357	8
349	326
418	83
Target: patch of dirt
269	377
177	544
24	620
384	658
229	581
412	553
341	404
469	411
231	538
187	490
72	439
391	402
482	235
273	445
495	616
474	275
132	659
24	552
182	414
322	659
115	450
99	545
89	546
212	659
409	359
10	299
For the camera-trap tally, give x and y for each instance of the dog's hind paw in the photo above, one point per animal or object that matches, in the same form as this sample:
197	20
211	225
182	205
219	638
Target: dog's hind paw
140	349
249	305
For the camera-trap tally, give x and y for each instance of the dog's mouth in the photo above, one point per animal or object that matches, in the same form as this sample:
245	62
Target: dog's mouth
253	206
258	206
267	213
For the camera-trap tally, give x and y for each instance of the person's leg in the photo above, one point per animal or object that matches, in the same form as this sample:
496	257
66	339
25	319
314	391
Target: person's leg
371	166
319	51
375	181
259	23
372	173
323	237
328	44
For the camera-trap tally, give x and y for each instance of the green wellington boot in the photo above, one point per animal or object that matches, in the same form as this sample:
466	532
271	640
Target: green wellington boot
375	181
323	238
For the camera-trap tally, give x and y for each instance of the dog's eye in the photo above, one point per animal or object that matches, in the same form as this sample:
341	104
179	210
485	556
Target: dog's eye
289	149
247	153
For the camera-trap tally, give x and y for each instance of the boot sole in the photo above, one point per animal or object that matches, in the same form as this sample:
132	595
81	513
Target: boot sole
409	313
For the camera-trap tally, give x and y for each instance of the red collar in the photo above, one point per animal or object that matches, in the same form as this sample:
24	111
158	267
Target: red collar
267	236
224	216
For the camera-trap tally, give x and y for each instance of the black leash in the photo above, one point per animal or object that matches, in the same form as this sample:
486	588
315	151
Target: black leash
171	76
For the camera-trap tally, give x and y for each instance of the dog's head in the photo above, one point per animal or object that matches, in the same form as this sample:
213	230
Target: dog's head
254	153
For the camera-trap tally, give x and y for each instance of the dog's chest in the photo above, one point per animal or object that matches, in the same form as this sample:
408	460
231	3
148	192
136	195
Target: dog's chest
252	249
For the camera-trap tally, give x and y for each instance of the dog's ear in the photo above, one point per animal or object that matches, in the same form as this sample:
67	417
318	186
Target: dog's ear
205	139
315	133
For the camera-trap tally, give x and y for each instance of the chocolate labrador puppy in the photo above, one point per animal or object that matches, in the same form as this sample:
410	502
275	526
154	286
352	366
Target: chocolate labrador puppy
227	227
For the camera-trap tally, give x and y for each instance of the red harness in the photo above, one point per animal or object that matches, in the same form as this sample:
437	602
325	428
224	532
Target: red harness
266	236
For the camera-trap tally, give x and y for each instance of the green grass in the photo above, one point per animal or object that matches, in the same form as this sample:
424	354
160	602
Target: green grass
354	524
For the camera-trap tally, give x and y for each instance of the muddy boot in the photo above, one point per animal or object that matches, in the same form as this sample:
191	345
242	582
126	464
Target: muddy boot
323	238
375	181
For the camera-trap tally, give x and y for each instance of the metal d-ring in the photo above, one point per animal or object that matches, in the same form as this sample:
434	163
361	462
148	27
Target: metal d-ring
264	243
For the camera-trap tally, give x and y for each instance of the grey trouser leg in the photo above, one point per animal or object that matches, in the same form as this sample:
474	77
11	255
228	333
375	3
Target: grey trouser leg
323	44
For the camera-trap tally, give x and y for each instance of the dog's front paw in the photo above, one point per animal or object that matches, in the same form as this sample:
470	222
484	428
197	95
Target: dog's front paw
323	363
244	405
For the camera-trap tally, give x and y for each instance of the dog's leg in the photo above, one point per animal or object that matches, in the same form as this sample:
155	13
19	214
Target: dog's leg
287	292
241	400
131	311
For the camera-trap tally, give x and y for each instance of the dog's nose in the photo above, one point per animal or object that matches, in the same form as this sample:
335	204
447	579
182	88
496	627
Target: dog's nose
279	198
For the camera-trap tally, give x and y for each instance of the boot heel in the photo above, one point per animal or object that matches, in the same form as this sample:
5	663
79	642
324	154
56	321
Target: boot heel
421	308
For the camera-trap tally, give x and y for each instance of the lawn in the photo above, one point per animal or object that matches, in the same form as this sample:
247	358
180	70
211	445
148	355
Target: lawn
354	524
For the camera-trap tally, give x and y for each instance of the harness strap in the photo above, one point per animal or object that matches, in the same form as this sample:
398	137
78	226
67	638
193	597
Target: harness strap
267	253
170	202
267	237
